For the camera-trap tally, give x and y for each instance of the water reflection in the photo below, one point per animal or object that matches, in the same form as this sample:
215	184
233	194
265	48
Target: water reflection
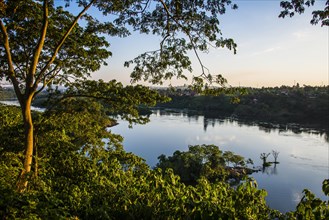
303	152
266	127
270	170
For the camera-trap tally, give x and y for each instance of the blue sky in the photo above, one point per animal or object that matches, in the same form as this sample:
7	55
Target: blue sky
271	51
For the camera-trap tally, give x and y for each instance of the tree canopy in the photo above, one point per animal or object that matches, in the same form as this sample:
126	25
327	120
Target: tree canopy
205	161
44	44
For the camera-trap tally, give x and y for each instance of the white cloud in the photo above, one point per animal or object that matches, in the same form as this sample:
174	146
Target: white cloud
267	50
301	35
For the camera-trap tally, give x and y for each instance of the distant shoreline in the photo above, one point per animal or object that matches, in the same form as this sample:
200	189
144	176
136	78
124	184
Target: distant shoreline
295	127
15	103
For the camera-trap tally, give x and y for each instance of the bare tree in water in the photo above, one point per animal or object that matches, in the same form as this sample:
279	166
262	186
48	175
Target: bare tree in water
263	156
275	155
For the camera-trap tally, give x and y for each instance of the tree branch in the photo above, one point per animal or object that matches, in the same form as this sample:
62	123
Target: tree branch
46	82
37	52
61	42
19	70
189	36
11	72
44	76
146	4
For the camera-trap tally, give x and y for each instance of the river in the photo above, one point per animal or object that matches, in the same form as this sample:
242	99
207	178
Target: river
303	157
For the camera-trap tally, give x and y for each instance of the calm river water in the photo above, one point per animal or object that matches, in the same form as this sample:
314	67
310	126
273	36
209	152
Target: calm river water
303	157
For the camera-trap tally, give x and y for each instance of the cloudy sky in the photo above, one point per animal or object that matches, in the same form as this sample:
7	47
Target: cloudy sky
271	51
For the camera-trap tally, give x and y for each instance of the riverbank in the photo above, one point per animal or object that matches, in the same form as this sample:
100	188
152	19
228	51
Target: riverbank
264	125
292	106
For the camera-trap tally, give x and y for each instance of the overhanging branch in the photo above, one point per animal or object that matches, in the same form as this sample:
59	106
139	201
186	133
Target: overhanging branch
189	36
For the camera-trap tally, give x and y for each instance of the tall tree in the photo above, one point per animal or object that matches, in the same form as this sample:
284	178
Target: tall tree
43	44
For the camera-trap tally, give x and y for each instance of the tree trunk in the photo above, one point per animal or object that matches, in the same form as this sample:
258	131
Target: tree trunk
28	128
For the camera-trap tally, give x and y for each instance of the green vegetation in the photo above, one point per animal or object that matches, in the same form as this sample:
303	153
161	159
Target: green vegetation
306	105
206	161
78	176
55	164
42	45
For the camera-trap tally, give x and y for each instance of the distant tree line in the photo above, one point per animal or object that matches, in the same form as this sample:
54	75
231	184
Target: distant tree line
305	105
7	93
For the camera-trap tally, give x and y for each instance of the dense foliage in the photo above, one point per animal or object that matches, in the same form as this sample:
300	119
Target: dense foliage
94	181
82	177
206	161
